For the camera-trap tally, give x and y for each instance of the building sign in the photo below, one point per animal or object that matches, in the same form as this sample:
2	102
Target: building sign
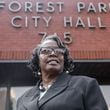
69	19
40	8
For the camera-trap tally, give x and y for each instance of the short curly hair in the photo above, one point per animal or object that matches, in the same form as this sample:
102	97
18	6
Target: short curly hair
33	64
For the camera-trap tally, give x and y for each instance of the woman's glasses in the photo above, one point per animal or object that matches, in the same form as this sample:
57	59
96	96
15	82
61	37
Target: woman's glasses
49	50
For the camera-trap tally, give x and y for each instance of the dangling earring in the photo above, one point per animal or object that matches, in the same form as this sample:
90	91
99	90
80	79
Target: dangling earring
67	72
39	73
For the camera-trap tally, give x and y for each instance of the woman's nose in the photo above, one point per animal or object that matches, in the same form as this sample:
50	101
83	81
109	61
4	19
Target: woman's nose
53	52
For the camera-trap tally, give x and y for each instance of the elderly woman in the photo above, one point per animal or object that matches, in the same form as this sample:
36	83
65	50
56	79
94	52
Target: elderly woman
56	88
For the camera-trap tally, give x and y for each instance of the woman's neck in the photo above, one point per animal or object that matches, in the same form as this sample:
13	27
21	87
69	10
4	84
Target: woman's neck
48	78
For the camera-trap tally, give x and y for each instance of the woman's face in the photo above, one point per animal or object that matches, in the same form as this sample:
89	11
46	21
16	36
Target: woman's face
51	57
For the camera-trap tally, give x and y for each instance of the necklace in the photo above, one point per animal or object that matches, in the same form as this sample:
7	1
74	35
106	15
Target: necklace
43	88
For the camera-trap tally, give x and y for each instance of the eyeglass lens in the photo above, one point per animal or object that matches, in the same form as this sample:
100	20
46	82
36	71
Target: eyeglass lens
48	50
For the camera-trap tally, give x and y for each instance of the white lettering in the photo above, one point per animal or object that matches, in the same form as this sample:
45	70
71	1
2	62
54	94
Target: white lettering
50	8
91	8
109	6
68	21
80	6
90	25
15	6
15	20
2	3
102	26
80	23
36	19
47	20
39	7
43	34
60	6
67	38
102	7
28	6
26	21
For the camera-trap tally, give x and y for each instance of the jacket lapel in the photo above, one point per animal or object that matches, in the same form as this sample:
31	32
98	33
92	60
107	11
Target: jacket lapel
59	86
31	100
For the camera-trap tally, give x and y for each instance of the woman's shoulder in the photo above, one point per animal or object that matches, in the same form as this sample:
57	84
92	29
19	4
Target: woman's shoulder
84	81
82	78
27	93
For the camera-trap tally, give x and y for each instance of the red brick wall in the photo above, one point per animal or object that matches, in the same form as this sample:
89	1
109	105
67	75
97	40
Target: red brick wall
17	43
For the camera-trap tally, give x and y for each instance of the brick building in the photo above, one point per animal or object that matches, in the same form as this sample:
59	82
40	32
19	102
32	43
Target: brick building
83	25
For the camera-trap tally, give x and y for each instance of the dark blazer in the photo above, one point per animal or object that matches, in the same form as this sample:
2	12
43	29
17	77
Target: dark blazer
67	93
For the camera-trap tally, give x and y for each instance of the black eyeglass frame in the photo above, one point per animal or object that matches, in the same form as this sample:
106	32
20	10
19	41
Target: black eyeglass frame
56	50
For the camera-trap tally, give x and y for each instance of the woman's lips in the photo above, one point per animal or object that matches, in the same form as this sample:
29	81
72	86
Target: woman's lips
52	61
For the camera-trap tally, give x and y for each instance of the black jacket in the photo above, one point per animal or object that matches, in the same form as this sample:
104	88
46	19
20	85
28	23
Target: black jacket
67	93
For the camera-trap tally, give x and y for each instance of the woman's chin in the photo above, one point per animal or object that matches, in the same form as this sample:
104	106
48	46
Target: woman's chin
54	68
